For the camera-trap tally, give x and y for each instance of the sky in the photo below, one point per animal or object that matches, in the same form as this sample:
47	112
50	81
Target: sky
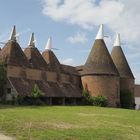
73	25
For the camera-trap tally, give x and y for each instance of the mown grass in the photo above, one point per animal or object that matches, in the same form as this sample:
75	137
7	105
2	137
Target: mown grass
69	123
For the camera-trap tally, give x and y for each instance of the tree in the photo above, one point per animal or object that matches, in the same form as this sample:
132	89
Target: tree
3	79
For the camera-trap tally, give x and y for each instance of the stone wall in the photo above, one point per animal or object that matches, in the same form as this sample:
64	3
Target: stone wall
108	86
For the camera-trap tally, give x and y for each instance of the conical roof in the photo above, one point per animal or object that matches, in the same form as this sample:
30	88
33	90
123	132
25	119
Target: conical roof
99	60
120	61
13	34
12	54
50	58
34	56
32	41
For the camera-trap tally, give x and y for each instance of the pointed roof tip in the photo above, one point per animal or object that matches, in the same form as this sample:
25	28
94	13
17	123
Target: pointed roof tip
49	44
13	34
100	34
32	41
121	62
117	40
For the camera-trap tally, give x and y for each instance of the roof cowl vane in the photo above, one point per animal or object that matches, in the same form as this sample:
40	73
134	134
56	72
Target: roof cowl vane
32	41
13	34
100	34
117	41
49	44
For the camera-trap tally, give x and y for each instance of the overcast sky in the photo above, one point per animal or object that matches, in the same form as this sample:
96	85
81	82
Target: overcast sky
73	25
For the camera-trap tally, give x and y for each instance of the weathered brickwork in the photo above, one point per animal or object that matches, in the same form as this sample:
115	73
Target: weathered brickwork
108	86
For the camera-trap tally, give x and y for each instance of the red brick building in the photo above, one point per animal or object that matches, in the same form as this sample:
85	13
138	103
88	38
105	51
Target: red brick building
102	74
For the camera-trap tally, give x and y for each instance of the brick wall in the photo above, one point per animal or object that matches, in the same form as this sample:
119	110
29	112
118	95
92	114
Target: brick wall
108	86
33	74
13	71
51	76
65	78
128	84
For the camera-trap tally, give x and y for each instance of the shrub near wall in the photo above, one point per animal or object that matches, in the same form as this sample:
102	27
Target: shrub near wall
94	100
35	98
99	101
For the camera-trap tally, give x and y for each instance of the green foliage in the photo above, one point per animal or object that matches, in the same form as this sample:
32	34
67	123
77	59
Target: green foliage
3	79
36	93
36	97
126	99
86	98
99	100
94	100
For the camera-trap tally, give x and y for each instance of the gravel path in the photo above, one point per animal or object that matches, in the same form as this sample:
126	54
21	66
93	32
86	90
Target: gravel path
3	137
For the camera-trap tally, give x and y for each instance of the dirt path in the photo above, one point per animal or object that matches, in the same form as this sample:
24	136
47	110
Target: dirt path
3	137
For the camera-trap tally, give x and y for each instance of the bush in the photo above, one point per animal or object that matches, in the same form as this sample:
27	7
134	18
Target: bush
36	93
34	99
94	100
126	98
99	100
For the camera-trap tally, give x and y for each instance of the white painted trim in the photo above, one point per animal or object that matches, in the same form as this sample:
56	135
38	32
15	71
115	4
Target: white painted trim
100	34
117	40
49	44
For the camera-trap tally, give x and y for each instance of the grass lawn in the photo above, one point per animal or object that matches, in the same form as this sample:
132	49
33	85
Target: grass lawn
69	123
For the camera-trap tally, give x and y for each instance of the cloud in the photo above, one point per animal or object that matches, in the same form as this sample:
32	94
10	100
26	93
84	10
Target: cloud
84	13
120	16
67	61
79	37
